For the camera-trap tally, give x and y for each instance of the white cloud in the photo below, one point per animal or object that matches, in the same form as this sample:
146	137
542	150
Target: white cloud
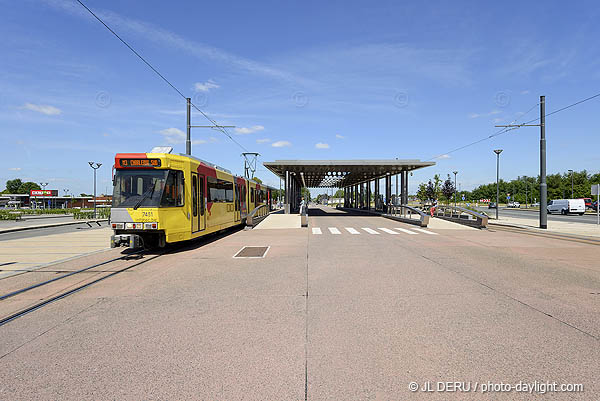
173	135
338	136
205	87
264	140
525	92
498	120
281	144
170	39
248	130
15	169
322	145
445	156
43	108
491	113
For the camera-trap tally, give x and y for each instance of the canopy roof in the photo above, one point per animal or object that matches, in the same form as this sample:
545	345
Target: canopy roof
341	173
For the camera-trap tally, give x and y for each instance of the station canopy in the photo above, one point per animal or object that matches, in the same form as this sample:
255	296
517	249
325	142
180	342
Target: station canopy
341	173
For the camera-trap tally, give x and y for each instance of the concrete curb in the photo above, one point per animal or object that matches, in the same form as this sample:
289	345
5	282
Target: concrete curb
545	233
10	230
43	216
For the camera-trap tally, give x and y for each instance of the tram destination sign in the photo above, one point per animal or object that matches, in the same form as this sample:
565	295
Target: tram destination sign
139	162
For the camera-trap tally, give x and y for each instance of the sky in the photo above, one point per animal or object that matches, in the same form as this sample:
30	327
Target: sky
298	80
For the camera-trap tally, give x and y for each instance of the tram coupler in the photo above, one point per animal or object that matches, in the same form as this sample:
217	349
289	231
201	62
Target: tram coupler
127	240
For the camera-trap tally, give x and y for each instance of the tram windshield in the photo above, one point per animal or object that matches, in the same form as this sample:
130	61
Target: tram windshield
148	188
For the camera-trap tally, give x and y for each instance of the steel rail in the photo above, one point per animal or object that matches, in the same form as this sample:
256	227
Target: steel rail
55	298
31	287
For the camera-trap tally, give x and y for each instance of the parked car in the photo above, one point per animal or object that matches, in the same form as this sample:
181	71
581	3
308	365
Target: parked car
536	204
513	204
588	203
492	205
566	206
594	206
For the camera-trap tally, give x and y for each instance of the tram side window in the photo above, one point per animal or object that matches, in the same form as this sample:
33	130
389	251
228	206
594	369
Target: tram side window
220	190
195	195
173	192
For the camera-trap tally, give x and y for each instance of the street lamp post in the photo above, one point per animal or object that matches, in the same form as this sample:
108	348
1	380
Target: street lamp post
43	184
66	195
571	171
95	166
455	172
497	152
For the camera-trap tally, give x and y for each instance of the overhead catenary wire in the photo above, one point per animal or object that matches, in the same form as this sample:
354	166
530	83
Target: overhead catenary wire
216	125
497	133
507	129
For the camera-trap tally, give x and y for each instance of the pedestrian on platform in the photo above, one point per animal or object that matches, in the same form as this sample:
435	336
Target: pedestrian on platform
433	207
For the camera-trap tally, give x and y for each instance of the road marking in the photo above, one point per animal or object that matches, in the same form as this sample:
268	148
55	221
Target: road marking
334	230
352	230
370	230
425	231
316	230
387	230
406	231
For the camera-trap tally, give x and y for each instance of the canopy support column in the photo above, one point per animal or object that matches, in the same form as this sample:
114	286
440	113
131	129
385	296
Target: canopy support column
377	205
286	203
405	188
388	191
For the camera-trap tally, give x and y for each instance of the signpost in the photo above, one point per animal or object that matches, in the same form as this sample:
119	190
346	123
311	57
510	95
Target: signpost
596	191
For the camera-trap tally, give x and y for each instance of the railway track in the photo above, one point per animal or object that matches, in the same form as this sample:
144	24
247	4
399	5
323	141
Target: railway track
49	293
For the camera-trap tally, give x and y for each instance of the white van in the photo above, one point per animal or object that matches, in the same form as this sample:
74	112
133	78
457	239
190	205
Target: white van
565	206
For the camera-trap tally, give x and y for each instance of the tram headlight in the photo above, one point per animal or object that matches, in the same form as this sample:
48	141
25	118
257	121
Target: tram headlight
129	226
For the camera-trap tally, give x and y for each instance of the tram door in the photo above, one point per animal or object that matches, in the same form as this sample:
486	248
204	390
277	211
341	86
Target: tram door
238	202
198	203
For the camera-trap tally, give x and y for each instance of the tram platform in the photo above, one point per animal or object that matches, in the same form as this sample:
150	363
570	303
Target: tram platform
279	221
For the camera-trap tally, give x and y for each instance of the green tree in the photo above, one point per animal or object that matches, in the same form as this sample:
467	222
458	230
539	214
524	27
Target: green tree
12	186
448	189
430	191
437	185
27	186
321	198
305	192
339	193
422	192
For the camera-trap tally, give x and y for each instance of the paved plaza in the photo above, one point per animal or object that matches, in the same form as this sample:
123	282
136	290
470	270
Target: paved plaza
330	316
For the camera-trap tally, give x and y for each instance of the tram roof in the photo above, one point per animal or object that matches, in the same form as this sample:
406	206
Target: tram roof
341	173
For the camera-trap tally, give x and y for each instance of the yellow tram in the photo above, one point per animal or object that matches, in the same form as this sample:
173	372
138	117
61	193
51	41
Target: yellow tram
161	198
